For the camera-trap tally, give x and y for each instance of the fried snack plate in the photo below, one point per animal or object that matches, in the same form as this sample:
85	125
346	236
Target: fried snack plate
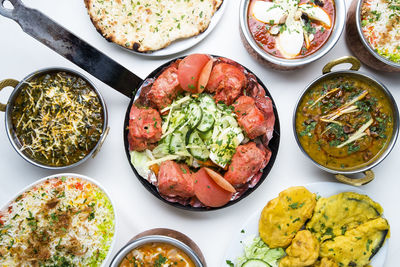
250	227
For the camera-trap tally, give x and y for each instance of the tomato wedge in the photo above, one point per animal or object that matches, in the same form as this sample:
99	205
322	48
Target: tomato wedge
208	192
189	71
220	180
204	76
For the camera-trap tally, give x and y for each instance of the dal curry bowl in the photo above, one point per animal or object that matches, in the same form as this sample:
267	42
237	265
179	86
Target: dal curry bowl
346	122
55	118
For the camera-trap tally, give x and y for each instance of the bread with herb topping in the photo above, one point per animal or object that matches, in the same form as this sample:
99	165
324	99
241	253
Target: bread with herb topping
149	25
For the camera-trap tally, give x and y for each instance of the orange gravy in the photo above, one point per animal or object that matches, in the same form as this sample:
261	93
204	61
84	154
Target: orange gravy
156	254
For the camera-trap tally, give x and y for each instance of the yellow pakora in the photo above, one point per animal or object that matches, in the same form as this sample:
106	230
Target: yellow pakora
283	216
303	251
357	246
335	215
325	262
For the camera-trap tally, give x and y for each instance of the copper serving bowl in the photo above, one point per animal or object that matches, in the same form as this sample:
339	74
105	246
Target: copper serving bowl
162	235
360	46
328	75
289	64
7	108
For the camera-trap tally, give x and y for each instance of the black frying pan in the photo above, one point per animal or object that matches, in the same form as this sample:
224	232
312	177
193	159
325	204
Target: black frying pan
113	74
273	146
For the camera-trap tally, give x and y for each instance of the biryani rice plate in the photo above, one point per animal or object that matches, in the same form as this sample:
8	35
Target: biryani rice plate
60	221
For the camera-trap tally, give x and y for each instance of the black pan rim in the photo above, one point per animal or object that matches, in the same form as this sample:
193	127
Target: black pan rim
273	145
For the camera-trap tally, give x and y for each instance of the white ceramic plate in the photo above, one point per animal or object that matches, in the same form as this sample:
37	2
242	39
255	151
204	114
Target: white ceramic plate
68	175
324	189
183	44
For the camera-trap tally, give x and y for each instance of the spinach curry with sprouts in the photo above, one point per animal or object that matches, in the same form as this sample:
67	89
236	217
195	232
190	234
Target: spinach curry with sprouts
58	118
344	123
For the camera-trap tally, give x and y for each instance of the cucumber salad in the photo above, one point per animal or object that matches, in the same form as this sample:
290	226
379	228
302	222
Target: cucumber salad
258	254
194	129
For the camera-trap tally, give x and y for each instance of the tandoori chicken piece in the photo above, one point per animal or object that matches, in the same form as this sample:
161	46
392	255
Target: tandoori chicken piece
250	118
144	128
165	88
227	82
175	180
264	104
247	161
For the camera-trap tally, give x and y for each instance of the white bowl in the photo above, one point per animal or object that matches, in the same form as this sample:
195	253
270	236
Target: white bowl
79	176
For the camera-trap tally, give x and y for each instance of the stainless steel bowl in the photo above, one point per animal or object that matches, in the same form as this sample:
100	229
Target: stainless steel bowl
7	108
327	75
359	45
289	64
159	239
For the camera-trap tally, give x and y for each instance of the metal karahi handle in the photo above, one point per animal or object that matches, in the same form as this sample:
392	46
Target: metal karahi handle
103	138
6	83
9	13
369	176
355	63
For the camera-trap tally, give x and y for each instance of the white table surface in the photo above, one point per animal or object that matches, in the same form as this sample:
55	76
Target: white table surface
137	209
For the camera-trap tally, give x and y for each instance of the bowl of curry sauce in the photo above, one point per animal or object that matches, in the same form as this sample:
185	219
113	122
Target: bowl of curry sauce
287	35
55	118
346	122
157	250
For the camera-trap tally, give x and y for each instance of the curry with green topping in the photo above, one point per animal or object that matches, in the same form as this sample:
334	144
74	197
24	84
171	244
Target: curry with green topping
156	254
344	123
58	118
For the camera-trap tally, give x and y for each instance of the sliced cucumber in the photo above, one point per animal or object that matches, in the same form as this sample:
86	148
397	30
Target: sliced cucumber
177	143
206	136
206	123
194	114
197	147
227	121
183	130
207	103
255	263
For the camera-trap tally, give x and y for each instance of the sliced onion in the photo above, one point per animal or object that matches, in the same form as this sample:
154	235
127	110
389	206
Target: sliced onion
315	12
268	12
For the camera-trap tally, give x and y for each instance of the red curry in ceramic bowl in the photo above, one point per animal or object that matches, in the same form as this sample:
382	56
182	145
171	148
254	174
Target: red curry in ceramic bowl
288	34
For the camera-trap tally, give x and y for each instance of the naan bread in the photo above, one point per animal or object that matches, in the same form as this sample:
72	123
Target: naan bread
148	25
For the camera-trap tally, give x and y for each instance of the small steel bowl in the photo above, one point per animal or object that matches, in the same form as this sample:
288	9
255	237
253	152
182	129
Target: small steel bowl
7	108
159	239
327	75
289	64
360	46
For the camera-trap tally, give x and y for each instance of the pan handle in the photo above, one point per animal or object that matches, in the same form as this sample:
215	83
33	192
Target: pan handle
70	46
3	84
10	13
